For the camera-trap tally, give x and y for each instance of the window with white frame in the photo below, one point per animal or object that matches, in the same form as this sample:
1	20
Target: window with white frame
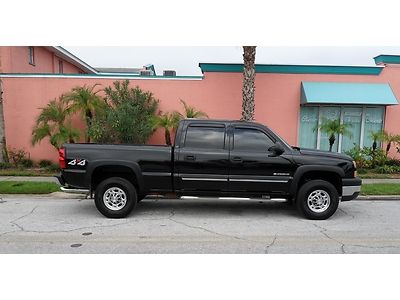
362	120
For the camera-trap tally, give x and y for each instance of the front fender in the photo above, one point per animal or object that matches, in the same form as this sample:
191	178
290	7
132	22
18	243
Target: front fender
298	175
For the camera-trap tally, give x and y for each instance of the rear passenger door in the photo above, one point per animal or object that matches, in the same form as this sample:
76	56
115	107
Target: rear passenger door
202	158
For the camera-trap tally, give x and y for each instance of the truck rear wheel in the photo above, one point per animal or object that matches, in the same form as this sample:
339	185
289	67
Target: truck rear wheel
317	200
115	197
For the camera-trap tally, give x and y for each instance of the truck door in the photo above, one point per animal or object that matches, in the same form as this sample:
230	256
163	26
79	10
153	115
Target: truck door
201	160
254	169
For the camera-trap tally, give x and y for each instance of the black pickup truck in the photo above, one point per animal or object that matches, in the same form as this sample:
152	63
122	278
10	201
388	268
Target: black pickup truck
213	158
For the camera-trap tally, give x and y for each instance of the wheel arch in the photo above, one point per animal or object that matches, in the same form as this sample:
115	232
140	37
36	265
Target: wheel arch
101	170
330	174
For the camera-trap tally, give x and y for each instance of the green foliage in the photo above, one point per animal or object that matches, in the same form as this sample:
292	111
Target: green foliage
44	163
53	168
54	122
128	116
333	128
27	163
191	112
169	121
17	156
389	138
385	169
85	101
367	158
5	165
376	136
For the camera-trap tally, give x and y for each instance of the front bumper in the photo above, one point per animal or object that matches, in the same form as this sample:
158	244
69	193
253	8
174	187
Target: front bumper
351	188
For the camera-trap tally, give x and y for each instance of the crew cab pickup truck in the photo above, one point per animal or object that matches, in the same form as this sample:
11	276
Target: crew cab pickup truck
213	158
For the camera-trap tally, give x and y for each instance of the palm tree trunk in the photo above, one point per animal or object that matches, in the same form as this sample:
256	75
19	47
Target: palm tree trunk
89	117
374	145
167	137
388	147
331	142
3	146
249	73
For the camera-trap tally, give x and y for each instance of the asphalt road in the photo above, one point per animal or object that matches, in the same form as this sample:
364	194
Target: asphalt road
52	225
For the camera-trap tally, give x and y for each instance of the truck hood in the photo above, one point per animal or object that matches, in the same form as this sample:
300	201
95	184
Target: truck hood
313	152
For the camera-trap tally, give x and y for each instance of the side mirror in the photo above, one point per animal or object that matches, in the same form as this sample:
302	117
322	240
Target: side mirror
276	149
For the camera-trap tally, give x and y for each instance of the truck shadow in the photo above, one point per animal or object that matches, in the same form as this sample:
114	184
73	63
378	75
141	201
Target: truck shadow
214	207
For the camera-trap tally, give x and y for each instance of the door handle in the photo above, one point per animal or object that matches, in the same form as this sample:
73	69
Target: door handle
190	157
237	159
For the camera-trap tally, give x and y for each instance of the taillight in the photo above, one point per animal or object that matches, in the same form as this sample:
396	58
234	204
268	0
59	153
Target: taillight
61	158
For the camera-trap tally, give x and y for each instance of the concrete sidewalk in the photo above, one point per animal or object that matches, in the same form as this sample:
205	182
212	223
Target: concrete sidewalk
53	179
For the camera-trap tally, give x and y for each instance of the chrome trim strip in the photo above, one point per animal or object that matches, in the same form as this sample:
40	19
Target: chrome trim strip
350	190
204	179
258	180
74	191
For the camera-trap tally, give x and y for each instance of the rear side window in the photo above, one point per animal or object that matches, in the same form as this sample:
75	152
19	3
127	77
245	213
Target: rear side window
205	137
247	139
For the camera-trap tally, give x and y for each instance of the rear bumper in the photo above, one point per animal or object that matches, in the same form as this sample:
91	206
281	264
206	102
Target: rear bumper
68	189
351	188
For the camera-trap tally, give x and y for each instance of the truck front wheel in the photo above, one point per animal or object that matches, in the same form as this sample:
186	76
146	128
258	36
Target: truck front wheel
115	197
317	199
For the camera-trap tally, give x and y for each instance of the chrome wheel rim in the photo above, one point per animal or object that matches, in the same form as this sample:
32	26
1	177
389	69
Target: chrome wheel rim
114	198
318	201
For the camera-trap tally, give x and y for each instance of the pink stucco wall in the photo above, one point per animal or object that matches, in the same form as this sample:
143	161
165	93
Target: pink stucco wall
218	94
15	59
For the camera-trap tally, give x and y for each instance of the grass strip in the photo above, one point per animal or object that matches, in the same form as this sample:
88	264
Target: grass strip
28	187
380	189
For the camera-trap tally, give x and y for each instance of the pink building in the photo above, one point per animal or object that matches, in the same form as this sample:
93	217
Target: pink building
291	99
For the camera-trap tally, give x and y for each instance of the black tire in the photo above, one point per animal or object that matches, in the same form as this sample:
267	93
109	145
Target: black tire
120	184
318	187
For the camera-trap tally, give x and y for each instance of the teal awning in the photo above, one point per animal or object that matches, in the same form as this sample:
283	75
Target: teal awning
347	93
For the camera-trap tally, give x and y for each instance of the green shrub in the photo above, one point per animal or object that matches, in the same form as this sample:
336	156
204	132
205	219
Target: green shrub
26	163
368	158
128	117
44	163
5	165
362	171
393	162
53	168
387	169
17	156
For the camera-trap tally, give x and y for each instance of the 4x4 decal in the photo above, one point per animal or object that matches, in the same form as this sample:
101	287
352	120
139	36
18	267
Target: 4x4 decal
77	162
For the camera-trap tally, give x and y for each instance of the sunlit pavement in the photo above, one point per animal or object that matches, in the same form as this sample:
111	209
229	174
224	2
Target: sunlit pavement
53	225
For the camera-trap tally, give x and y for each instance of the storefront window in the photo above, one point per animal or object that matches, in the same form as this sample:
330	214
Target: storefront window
373	123
353	117
328	113
362	121
308	126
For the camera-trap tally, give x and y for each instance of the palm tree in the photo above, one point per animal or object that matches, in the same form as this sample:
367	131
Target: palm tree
333	128
249	74
3	147
375	136
389	139
191	112
168	121
85	100
54	122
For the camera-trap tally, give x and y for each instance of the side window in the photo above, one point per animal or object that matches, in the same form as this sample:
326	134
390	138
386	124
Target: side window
248	139
205	137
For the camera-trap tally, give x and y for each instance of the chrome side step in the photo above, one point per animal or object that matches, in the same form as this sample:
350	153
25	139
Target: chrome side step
74	191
